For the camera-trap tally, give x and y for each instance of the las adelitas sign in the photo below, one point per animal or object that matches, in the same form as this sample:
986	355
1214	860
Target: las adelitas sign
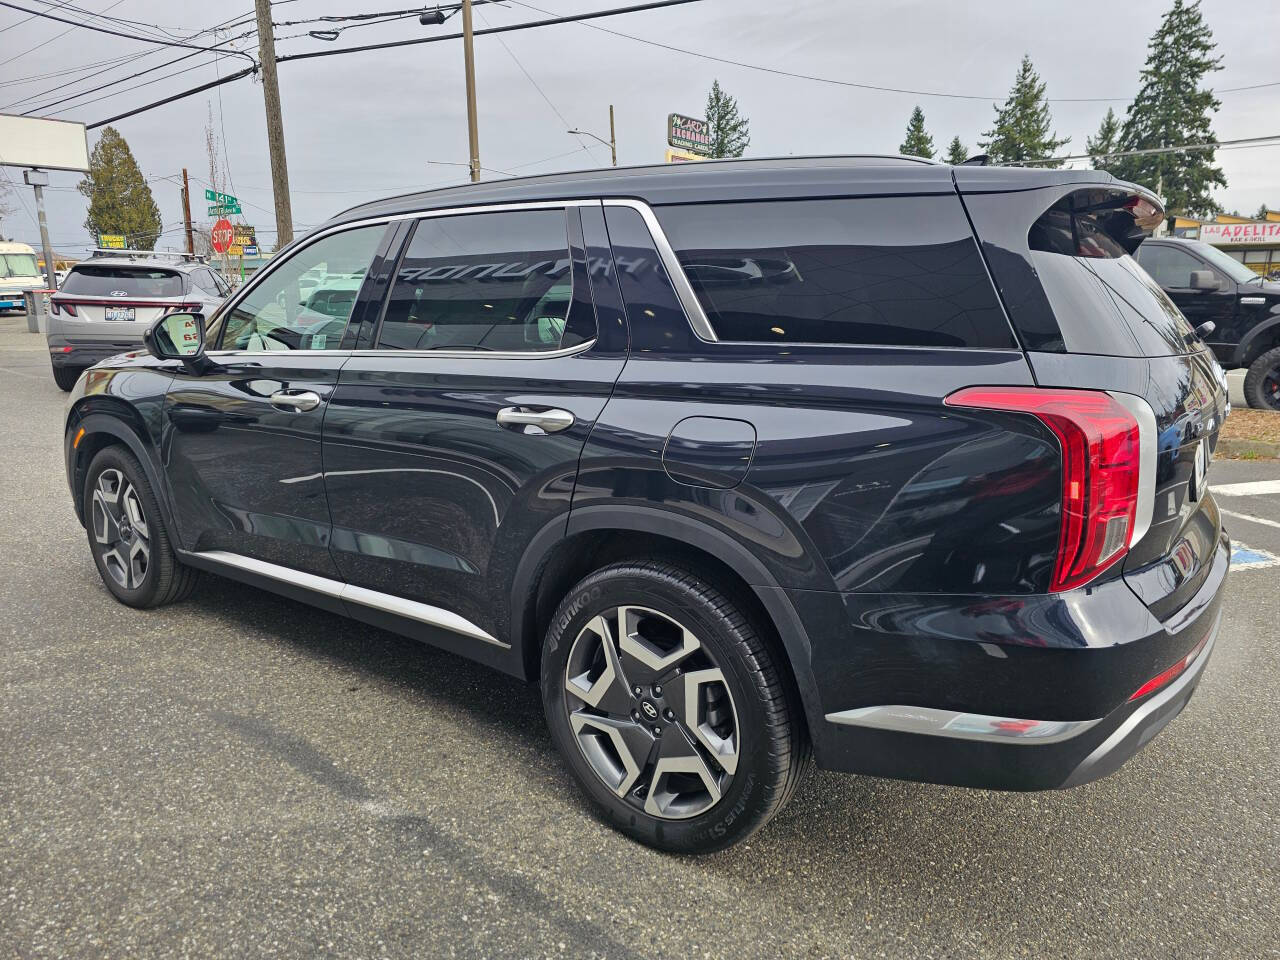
1240	232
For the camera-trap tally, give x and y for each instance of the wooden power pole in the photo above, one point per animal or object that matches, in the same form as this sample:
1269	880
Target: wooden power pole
275	125
186	211
469	63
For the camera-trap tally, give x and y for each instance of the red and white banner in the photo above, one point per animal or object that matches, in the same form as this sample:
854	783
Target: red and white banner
1225	233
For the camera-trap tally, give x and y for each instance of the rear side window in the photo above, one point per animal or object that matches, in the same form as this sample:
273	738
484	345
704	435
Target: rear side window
490	281
1104	302
891	271
1168	266
103	281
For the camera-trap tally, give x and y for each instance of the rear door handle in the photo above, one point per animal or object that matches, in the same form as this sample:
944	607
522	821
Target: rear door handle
297	401
551	421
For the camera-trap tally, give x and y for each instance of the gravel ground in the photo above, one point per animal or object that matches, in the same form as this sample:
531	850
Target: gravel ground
242	776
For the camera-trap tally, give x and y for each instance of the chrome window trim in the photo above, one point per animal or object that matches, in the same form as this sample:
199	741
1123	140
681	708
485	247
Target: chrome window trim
234	300
388	603
473	354
684	290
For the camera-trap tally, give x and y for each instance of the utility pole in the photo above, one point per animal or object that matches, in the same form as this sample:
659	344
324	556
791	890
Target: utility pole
38	180
275	125
469	61
613	137
186	211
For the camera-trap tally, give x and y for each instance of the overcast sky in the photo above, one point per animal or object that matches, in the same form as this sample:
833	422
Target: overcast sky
372	124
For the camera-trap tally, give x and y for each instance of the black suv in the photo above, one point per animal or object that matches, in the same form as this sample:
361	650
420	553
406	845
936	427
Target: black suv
894	462
1210	287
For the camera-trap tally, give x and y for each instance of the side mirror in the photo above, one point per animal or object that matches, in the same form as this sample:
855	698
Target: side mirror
176	336
1204	280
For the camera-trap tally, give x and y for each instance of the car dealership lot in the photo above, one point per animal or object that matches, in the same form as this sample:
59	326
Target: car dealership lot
241	776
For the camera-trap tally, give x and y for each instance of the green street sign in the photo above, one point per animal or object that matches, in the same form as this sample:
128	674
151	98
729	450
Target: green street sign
221	199
222	209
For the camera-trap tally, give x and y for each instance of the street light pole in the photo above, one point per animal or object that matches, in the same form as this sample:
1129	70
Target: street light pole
611	143
469	62
613	137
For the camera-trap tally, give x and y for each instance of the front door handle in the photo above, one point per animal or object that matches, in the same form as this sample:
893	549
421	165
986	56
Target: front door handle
297	401
550	421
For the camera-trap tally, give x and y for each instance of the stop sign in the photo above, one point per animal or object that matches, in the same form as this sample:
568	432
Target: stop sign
222	235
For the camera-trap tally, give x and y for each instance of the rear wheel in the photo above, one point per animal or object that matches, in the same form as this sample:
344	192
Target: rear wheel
670	709
1262	382
66	377
127	534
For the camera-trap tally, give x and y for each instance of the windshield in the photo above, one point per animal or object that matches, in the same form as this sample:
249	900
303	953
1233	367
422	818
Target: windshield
122	282
18	265
1233	268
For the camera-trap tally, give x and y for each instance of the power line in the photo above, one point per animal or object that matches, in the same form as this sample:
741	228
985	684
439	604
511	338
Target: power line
551	21
1244	142
857	84
528	76
56	36
615	11
118	33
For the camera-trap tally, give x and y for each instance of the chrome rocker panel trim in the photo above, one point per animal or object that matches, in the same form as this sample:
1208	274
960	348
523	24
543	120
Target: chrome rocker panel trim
388	603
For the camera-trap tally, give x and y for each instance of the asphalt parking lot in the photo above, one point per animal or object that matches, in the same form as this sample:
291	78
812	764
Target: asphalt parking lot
244	776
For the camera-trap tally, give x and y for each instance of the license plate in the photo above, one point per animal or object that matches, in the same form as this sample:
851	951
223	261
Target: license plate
120	313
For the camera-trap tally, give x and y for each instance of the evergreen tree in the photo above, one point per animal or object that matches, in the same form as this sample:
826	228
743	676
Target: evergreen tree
119	199
730	133
1173	107
1101	147
1023	125
957	152
918	143
1262	213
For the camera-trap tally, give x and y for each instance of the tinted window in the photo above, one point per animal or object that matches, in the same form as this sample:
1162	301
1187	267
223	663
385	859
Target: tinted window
103	281
305	303
493	281
901	270
1111	306
1169	266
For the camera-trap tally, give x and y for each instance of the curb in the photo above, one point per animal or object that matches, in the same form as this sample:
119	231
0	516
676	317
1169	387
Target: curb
1250	449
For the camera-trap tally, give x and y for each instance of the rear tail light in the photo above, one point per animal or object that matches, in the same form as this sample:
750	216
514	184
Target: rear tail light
1166	677
57	308
1101	467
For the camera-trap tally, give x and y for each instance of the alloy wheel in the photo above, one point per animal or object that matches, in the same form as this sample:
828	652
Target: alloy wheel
120	529
651	712
1271	388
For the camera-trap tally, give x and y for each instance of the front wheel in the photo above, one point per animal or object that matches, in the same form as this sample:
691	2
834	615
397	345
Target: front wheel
670	709
127	534
1262	382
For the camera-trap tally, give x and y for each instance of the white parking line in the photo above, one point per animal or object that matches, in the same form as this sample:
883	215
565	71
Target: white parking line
1250	517
1251	489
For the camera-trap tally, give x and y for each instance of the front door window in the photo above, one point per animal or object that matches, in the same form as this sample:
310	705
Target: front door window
305	303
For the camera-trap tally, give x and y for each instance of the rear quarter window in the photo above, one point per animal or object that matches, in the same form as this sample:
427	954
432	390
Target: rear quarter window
103	281
1104	302
901	271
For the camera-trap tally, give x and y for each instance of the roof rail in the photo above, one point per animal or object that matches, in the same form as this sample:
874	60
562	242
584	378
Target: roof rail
152	254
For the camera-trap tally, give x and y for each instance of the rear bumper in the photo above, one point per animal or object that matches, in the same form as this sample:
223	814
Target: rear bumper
74	352
1033	750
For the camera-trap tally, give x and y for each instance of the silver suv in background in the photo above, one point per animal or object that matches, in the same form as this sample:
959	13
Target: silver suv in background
107	302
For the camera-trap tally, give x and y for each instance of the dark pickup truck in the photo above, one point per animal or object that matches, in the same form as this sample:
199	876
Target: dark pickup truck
1244	308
